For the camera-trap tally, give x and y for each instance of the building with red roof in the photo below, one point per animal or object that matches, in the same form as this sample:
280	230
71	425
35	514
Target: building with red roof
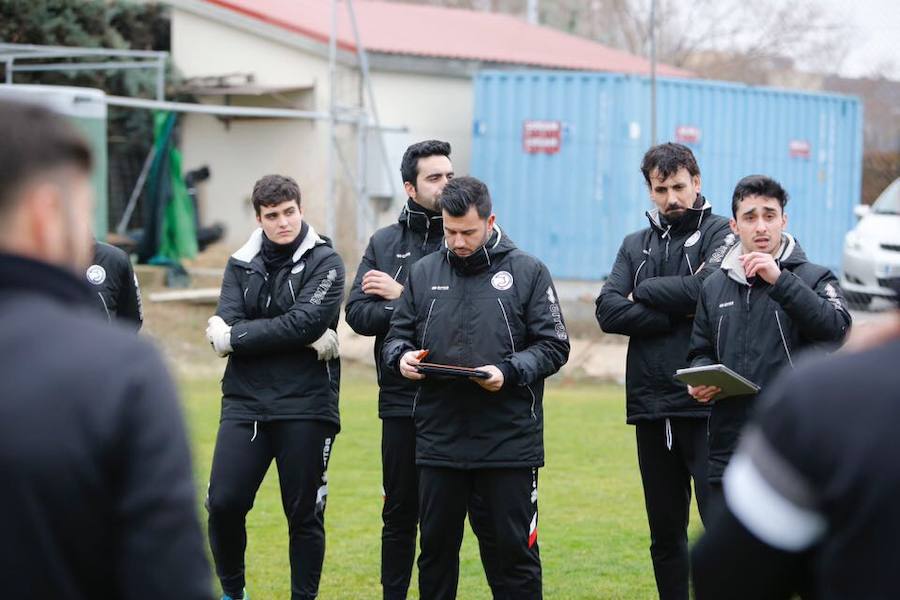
421	59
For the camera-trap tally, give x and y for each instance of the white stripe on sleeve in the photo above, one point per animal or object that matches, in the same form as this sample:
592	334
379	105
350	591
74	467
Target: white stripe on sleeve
768	515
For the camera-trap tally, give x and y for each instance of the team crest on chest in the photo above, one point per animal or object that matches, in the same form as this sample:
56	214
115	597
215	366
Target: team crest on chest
695	237
502	280
96	274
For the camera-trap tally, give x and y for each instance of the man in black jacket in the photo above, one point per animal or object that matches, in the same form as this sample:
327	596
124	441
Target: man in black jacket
650	296
98	498
382	272
481	303
811	493
276	321
116	287
764	305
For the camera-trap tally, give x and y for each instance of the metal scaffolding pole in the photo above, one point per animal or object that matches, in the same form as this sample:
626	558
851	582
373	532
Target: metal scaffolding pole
331	200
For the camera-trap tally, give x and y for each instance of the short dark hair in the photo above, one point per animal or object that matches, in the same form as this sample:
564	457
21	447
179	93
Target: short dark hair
409	166
462	192
757	185
667	159
272	190
35	140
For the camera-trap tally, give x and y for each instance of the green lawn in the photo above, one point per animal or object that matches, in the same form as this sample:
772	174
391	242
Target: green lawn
593	532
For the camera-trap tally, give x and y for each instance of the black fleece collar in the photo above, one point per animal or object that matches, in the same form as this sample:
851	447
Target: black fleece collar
421	220
24	274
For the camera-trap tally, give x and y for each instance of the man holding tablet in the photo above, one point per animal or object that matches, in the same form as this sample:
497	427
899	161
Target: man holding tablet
764	305
481	303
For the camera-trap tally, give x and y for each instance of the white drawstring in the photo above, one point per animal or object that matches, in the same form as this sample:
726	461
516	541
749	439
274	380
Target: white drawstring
254	431
668	434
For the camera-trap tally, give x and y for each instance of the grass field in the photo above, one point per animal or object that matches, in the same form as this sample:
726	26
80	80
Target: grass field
593	532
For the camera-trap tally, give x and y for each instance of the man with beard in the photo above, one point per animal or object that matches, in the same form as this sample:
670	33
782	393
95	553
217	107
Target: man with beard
276	320
650	296
485	304
764	306
380	277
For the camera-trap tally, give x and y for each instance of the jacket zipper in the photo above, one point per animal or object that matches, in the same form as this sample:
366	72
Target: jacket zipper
422	345
105	307
719	335
291	286
513	343
427	319
638	272
783	340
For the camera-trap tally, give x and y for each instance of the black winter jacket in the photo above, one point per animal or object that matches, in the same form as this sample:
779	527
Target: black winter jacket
663	269
506	314
756	330
115	286
98	493
393	250
271	373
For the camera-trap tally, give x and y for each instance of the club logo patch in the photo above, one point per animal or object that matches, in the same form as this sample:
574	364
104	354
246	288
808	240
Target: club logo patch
695	237
502	280
96	274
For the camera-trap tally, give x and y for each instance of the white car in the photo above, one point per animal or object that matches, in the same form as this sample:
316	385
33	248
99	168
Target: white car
872	249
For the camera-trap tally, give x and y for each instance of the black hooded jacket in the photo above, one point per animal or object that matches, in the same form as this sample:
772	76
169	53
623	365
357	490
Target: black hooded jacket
663	268
98	493
392	250
756	329
271	372
496	307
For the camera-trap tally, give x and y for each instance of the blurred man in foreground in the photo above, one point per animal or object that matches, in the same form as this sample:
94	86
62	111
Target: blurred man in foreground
98	499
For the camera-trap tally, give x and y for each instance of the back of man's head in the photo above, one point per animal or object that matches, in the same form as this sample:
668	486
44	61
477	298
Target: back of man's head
461	193
409	166
667	159
34	142
40	149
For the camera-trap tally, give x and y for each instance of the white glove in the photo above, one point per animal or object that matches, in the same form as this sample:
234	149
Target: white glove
219	335
326	347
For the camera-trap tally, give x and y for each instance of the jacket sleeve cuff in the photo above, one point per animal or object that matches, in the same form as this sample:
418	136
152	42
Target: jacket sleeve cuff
510	375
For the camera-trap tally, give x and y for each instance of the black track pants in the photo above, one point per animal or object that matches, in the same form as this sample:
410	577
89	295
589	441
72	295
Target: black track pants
671	452
400	514
509	500
244	450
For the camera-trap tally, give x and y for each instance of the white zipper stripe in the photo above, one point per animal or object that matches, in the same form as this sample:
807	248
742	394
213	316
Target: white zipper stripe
508	328
427	319
636	273
105	307
783	340
397	274
718	336
291	285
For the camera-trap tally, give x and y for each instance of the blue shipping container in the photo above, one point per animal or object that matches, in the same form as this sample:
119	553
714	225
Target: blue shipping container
561	153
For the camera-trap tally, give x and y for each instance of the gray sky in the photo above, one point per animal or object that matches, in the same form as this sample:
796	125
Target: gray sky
876	36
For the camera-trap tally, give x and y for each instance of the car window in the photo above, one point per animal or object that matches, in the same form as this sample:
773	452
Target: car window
888	203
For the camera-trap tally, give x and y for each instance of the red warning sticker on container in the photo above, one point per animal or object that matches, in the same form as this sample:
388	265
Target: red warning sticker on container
541	136
799	149
687	134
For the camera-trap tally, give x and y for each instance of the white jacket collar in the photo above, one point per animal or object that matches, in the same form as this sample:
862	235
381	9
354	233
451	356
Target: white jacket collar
249	250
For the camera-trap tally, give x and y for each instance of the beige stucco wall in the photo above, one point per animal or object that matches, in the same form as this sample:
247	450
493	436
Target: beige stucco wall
239	153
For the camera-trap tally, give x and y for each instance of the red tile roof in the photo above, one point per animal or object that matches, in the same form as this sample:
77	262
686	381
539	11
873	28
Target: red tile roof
432	31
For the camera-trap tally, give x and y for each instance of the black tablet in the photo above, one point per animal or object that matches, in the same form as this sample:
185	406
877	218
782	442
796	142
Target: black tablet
451	371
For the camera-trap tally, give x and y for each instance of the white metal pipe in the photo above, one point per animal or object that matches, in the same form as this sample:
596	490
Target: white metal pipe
92	66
